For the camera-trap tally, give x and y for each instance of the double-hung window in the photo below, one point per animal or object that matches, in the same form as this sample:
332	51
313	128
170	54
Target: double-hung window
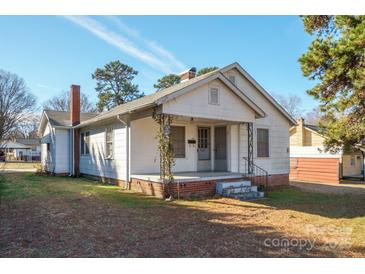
109	138
178	141
262	142
85	143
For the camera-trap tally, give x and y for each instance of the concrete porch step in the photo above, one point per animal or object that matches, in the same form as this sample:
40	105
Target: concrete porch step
221	186
253	195
241	190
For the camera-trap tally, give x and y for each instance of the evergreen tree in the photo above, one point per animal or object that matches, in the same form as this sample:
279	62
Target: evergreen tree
167	81
336	61
114	85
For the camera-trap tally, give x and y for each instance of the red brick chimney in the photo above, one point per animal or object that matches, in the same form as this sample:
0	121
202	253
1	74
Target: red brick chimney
75	120
187	75
75	105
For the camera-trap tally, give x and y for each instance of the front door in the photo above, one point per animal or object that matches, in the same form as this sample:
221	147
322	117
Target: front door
220	139
204	163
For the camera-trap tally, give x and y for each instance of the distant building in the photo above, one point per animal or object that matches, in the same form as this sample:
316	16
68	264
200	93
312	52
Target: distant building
21	150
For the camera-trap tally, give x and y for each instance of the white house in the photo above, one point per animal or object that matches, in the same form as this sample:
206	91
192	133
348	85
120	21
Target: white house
224	125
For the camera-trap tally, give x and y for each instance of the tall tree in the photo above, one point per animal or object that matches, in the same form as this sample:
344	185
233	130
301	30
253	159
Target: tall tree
114	85
167	81
205	70
292	104
16	103
336	61
61	102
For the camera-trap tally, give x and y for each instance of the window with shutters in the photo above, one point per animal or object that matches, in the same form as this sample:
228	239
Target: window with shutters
262	142
214	96
109	138
178	141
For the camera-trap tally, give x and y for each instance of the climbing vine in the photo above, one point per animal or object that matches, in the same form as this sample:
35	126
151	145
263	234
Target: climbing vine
165	147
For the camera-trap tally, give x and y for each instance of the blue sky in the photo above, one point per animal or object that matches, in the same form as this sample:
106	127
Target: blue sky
53	52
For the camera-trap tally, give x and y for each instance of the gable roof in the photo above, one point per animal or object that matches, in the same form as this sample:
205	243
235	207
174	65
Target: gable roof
57	118
312	128
260	89
167	94
28	141
62	118
7	144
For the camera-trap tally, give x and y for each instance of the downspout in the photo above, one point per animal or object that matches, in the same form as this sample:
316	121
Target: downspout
363	164
71	138
127	148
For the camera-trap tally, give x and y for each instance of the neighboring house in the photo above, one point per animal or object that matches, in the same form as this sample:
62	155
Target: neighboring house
310	162
21	149
35	147
224	125
13	150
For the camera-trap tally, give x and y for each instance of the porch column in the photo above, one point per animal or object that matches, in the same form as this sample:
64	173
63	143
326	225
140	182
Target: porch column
250	146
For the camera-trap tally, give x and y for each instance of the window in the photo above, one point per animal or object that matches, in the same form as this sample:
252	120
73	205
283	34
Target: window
232	79
262	142
214	96
85	142
48	147
352	160
178	141
109	142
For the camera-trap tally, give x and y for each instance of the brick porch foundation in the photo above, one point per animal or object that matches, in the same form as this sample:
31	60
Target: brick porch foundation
195	189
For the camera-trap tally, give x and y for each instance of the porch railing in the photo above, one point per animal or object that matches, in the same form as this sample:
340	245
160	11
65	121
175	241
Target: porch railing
255	174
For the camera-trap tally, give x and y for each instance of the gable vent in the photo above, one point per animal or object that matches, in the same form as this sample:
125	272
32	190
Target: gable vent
214	96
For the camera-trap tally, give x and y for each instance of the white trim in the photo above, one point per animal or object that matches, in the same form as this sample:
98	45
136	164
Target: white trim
269	142
259	88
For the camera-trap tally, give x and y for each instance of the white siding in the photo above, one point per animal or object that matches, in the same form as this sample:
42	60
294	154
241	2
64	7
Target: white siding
312	152
47	159
195	104
275	122
96	163
62	151
145	157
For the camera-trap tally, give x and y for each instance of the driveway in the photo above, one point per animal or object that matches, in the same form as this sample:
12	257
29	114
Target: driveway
330	188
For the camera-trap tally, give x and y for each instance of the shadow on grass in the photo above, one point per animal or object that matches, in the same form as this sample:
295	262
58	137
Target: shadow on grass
63	217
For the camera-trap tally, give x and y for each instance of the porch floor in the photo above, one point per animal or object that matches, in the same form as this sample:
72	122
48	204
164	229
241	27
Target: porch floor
191	176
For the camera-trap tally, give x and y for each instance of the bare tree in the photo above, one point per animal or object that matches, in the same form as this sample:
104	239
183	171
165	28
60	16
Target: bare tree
61	102
292	104
16	102
316	117
27	127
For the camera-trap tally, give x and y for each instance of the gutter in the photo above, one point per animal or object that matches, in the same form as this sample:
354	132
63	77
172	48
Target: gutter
128	111
126	123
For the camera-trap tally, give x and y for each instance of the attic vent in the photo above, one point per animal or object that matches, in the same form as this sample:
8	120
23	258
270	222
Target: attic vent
214	96
232	79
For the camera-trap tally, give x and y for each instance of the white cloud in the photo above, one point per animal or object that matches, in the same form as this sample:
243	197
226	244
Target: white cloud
168	65
152	45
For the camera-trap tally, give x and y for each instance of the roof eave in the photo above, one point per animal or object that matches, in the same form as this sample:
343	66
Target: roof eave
260	88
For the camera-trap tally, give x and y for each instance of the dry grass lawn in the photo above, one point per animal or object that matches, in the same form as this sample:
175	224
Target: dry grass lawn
62	217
